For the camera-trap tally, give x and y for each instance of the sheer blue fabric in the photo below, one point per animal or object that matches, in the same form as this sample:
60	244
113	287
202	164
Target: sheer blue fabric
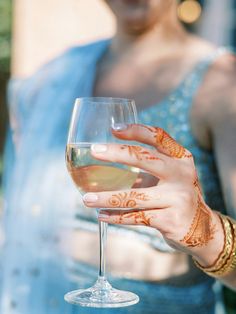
42	205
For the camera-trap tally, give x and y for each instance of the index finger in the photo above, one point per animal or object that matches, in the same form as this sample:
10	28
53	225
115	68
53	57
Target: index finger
153	136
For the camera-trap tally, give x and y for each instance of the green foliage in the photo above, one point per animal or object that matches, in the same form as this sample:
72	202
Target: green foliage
5	34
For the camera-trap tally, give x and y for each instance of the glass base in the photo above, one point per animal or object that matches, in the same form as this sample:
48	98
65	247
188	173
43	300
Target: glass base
101	295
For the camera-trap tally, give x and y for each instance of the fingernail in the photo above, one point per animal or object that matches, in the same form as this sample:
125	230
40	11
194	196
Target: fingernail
119	126
90	197
103	216
98	148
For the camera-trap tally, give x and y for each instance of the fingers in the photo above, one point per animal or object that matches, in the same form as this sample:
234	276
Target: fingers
155	218
137	217
136	156
154	136
135	198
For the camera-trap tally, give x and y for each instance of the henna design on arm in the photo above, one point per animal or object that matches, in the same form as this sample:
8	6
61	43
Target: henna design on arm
201	230
197	185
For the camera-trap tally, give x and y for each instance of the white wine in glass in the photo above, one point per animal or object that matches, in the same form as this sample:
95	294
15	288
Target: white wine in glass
91	175
92	122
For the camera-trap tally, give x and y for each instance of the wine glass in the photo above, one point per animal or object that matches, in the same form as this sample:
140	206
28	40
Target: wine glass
92	122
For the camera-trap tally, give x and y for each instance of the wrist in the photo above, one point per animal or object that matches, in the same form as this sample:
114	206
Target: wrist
226	261
208	254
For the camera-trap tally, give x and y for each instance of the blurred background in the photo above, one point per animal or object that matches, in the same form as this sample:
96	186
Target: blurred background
32	32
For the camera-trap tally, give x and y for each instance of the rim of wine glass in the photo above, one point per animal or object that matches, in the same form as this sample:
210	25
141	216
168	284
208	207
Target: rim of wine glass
105	99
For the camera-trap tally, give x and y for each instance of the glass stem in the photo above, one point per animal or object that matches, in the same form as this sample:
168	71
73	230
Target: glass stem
102	242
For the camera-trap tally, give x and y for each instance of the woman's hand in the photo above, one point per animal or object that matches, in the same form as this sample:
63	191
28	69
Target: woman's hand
174	206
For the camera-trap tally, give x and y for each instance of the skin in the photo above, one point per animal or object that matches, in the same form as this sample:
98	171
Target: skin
186	201
182	214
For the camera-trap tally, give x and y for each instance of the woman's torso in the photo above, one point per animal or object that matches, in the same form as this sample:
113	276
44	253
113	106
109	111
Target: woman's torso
48	229
161	100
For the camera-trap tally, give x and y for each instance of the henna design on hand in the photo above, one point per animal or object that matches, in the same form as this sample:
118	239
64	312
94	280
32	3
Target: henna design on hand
201	230
168	144
197	184
124	199
139	218
139	152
